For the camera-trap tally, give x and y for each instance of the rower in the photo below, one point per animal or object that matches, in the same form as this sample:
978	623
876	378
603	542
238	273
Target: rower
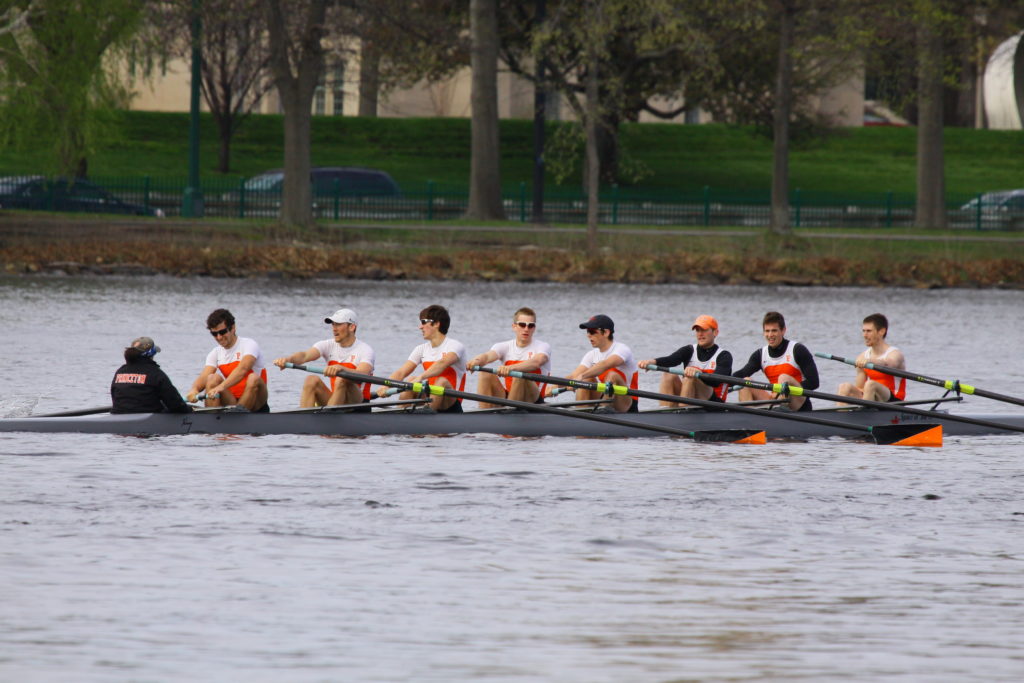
343	351
782	361
140	386
522	353
870	384
234	373
443	360
698	359
608	361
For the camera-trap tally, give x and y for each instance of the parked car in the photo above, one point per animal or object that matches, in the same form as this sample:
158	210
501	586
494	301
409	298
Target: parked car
262	193
1003	209
60	194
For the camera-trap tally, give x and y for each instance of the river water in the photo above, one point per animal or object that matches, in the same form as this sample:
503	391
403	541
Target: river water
305	558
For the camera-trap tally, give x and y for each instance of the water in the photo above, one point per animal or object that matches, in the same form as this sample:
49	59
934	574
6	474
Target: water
486	558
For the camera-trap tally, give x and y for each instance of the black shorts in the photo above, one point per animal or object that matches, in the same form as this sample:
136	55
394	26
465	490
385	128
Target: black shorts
453	408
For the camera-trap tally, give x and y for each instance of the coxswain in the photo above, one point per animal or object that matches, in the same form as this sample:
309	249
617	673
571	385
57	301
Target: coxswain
234	373
443	360
140	386
609	361
342	352
870	384
522	353
697	360
783	362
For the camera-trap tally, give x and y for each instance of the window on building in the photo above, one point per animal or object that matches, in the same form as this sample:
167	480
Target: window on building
320	96
338	91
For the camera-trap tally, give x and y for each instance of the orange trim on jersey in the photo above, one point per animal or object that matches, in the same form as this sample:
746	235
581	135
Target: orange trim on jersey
722	390
237	389
350	366
634	382
777	370
889	382
449	374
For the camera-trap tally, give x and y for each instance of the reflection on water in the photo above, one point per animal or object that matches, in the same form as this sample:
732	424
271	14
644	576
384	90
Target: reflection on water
480	557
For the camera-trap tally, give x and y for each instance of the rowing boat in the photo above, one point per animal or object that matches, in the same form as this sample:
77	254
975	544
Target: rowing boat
511	422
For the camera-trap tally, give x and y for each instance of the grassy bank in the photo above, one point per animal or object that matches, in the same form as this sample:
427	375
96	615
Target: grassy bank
39	243
678	158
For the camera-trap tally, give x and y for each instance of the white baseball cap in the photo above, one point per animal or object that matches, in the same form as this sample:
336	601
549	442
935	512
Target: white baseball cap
342	315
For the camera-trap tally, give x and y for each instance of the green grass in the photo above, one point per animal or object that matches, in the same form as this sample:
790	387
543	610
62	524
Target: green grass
849	162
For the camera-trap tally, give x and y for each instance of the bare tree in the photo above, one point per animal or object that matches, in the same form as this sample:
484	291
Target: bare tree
234	57
295	30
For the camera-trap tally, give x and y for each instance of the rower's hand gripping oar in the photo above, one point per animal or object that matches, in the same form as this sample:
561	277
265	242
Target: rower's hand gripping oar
435	390
881	436
949	385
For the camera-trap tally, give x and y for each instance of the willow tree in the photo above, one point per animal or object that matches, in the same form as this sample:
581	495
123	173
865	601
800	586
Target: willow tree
58	87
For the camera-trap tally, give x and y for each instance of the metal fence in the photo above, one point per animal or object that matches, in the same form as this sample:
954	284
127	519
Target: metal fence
708	207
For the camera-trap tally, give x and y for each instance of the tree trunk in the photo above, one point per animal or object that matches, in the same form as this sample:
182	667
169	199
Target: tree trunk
485	158
593	169
608	148
296	90
369	80
224	150
780	124
931	175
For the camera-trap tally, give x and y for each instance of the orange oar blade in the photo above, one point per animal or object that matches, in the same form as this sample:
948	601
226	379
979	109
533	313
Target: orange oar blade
928	435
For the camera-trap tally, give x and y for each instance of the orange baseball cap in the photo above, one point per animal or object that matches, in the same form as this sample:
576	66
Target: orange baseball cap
704	322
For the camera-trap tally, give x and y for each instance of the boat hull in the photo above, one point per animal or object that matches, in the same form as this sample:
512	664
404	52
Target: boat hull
511	423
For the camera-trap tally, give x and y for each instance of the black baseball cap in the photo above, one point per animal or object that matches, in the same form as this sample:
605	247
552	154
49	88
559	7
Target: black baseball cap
598	322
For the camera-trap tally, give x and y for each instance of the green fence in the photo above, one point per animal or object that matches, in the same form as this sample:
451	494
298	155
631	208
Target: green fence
705	207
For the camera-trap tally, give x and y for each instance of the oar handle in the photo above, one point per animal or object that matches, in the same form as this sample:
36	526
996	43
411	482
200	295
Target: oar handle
320	371
202	397
518	374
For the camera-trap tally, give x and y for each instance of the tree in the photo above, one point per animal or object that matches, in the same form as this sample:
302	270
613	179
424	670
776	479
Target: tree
781	112
649	48
930	211
234	58
295	32
485	159
53	82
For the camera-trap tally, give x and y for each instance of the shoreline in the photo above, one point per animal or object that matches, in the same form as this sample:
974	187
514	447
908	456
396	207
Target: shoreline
102	246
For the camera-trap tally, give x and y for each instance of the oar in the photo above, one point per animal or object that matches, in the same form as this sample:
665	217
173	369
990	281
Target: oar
787	390
731	435
896	435
76	413
950	385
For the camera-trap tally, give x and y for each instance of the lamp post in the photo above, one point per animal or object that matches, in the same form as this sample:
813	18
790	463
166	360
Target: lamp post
192	204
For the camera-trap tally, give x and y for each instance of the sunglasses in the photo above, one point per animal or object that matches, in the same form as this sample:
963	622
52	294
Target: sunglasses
526	326
220	332
426	321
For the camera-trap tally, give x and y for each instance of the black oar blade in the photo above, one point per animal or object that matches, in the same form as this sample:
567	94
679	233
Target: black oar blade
754	436
929	435
77	413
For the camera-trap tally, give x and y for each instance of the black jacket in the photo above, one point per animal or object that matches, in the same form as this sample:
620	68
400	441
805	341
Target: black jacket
142	387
